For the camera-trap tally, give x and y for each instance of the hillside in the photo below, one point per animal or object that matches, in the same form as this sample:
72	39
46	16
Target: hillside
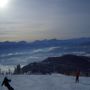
63	64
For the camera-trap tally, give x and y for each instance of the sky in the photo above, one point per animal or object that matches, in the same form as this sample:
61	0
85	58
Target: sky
44	19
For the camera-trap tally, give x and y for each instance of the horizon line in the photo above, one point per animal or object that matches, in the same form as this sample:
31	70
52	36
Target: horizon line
43	39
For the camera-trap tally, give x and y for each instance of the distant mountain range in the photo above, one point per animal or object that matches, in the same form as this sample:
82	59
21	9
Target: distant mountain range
44	43
64	64
76	41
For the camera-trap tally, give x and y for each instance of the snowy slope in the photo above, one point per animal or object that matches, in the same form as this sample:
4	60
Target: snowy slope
47	82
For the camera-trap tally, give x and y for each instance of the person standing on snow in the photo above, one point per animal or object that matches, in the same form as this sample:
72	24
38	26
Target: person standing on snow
77	76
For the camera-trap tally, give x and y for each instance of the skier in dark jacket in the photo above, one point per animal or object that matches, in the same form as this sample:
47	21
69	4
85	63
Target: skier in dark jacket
6	83
77	76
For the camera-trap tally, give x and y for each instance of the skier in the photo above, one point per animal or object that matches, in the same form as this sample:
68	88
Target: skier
77	76
6	83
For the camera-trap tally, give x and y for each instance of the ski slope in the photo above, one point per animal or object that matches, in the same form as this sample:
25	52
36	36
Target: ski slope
47	82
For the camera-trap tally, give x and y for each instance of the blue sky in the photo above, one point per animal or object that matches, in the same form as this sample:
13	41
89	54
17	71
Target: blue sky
44	19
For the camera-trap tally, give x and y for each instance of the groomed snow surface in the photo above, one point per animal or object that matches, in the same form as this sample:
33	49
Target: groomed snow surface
47	82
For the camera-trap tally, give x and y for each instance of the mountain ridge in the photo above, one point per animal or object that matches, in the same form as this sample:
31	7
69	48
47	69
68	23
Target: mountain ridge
65	64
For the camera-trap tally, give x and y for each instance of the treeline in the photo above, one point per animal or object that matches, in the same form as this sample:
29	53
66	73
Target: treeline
7	72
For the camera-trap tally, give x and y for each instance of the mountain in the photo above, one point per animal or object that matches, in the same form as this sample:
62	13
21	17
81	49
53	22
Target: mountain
64	64
51	42
23	45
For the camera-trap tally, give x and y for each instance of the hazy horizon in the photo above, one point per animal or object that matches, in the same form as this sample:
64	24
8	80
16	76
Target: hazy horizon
45	39
29	20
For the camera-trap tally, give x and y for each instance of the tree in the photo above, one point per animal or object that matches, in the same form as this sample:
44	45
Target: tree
17	69
0	71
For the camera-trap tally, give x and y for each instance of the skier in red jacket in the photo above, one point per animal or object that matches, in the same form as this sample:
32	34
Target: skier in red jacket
77	76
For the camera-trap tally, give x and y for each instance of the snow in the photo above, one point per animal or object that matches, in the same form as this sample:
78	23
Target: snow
47	82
